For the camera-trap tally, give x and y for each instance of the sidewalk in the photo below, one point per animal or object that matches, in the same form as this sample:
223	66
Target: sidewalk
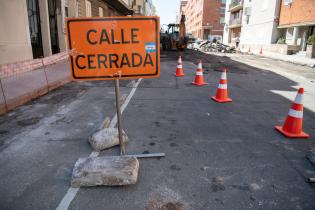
288	58
20	88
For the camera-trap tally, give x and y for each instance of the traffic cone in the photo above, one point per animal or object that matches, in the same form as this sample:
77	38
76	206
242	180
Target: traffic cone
292	127
179	69
222	92
199	75
260	52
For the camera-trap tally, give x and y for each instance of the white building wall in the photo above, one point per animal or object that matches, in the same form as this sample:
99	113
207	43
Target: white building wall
261	27
226	20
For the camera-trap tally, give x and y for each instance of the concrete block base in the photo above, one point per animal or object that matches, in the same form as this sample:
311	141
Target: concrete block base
109	171
106	138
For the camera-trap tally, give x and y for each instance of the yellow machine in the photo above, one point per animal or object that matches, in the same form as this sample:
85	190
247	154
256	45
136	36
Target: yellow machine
174	38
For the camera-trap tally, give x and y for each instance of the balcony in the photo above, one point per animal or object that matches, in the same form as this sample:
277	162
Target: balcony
234	23
236	5
120	6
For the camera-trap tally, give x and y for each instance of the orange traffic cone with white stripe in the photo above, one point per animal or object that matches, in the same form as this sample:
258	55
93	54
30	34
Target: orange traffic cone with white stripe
179	69
199	76
222	92
292	127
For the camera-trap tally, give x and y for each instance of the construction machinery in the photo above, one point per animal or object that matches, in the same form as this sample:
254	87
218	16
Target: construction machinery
174	37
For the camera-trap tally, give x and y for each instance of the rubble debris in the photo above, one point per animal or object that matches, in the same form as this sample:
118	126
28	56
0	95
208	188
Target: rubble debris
208	46
106	138
107	170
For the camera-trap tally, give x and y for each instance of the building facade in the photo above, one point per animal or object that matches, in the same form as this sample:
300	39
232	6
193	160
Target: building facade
182	5
278	26
36	28
297	23
204	18
259	23
233	21
143	7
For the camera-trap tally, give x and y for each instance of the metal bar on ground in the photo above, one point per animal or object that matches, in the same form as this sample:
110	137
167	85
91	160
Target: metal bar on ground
311	179
147	155
121	143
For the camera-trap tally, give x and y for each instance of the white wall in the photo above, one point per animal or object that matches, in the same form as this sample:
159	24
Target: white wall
226	20
61	25
44	24
15	43
262	27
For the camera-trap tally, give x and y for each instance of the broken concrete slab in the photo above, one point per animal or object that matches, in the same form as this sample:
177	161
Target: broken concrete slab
105	123
107	170
106	138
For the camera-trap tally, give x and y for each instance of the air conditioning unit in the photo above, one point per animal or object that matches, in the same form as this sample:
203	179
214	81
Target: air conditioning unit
287	2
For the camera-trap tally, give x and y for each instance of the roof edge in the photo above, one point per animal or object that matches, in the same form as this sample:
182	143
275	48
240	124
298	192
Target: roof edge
297	24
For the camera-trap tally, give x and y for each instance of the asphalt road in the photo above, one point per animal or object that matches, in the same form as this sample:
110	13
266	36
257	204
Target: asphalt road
218	156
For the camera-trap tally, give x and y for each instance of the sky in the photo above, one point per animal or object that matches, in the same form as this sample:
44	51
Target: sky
167	10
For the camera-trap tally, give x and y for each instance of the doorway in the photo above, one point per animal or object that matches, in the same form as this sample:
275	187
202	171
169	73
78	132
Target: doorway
206	33
34	27
52	11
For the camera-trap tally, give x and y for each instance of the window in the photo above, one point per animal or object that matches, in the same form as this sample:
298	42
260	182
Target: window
247	19
66	12
221	20
77	8
100	11
88	11
222	10
66	4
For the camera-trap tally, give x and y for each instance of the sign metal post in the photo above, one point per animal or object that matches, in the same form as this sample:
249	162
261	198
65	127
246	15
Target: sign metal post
121	142
132	51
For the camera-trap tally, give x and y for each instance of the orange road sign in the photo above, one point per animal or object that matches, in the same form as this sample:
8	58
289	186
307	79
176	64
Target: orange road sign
112	47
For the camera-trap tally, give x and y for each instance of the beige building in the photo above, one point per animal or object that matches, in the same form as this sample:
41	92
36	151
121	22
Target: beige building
142	7
182	6
35	28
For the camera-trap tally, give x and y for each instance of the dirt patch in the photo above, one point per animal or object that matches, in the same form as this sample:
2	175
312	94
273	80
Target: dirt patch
217	184
28	121
241	187
175	167
2	132
156	205
209	62
173	144
164	198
